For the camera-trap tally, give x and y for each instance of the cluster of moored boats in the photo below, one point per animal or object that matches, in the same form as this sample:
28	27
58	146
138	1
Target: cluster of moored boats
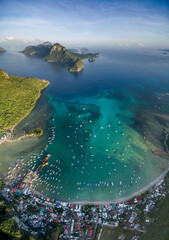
80	140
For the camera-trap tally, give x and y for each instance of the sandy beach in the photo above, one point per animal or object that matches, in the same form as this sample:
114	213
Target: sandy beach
120	200
141	191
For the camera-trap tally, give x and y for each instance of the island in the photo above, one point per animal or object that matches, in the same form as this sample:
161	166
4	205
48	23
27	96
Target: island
37	131
59	54
18	98
2	50
91	59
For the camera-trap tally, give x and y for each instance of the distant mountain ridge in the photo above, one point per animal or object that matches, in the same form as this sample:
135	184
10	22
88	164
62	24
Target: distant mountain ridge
59	54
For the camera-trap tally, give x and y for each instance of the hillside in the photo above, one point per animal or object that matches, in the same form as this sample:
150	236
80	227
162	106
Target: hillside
59	54
62	56
18	97
2	50
40	50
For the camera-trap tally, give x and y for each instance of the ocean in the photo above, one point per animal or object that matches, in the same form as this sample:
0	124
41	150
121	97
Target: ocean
103	126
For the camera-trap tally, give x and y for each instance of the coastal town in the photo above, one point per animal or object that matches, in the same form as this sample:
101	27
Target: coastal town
39	214
84	120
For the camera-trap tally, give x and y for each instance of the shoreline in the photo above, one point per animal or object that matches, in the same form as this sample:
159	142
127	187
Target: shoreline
100	202
120	200
127	198
9	139
12	140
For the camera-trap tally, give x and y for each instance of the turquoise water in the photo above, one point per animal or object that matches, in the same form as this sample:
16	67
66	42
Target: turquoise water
95	123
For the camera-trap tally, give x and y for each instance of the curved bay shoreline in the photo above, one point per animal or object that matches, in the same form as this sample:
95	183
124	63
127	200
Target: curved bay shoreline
116	201
120	200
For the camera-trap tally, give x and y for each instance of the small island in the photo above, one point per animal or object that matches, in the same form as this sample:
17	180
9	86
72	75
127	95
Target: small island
18	98
91	59
58	54
2	50
37	131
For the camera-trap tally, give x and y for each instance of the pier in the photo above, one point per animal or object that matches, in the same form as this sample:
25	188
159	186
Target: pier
33	175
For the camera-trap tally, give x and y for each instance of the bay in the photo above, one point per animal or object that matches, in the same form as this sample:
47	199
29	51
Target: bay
103	126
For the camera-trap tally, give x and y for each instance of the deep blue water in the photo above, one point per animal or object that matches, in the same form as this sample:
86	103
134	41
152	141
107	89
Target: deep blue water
98	152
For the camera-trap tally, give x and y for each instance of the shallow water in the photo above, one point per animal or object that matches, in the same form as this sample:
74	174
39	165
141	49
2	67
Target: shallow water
90	119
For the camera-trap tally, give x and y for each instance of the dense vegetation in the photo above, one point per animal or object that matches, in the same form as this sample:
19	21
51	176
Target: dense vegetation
60	55
18	96
9	227
40	51
37	131
10	230
77	66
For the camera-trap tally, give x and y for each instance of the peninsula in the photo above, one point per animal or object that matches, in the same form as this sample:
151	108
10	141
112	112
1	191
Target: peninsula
18	98
2	50
59	54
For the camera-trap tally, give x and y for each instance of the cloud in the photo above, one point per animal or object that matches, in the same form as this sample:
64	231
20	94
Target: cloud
5	39
20	40
141	44
98	21
11	38
123	44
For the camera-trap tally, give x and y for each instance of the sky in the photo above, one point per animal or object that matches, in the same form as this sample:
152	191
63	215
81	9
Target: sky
119	23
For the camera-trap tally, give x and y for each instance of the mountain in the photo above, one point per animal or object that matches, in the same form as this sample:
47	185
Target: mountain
58	54
40	50
62	56
2	50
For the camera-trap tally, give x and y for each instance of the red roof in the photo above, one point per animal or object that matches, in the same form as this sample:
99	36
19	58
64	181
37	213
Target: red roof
21	185
140	198
78	226
89	233
13	189
89	227
55	221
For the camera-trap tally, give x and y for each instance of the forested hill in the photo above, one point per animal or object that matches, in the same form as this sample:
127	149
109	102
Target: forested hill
59	54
